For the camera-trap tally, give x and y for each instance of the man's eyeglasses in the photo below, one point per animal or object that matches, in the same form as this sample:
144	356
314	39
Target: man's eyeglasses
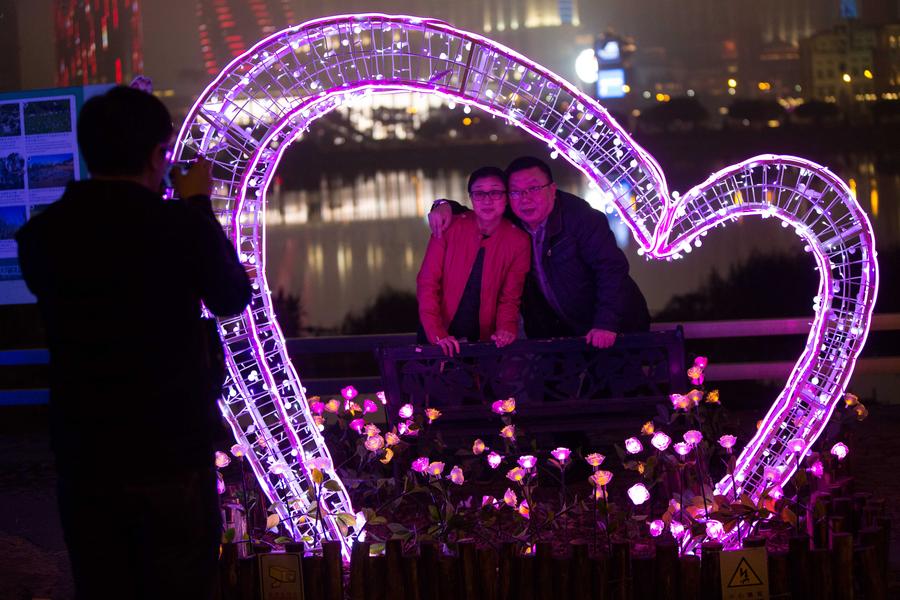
516	194
484	196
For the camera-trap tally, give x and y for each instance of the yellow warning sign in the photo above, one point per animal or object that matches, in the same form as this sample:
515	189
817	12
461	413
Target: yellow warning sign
745	574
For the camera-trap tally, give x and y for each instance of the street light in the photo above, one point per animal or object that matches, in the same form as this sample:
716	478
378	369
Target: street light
586	66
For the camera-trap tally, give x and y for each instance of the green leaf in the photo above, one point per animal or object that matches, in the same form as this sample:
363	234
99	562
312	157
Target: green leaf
377	521
228	535
347	518
434	513
332	485
272	521
283	540
376	549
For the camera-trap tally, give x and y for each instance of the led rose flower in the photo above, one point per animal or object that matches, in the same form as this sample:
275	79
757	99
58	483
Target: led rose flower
508	432
456	476
648	428
817	469
682	448
374	443
771	473
504	407
278	467
358	425
727	442
695	396
633	445
638	494
656	527
777	492
494	460
660	441
220	483
372	429
381	397
477	447
388	455
701	361
488	501
527	461
601	478
595	459
317	407
797	445
420	464
680	402
432	414
523	509
369	406
861	412
407	428
333	405
238	450
840	450
391	438
695	374
406	411
677	529
319	420
222	460
516	474
436	468
510	498
349	393
693	437
714	529
561	454
353	408
712	397
850	400
321	463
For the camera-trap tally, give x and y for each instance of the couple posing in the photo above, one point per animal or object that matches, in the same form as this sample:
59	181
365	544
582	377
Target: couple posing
553	254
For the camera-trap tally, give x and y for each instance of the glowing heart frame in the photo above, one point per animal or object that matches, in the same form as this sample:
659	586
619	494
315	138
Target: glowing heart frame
294	77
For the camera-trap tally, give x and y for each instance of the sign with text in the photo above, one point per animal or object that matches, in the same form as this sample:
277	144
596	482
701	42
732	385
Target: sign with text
745	574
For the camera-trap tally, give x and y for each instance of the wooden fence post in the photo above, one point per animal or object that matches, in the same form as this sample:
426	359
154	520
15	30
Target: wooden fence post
468	572
393	554
313	583
359	577
798	565
842	565
581	572
689	581
334	570
620	571
429	578
600	577
544	580
666	568
710	571
487	573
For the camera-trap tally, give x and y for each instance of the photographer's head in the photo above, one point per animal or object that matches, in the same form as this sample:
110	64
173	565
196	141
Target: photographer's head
125	134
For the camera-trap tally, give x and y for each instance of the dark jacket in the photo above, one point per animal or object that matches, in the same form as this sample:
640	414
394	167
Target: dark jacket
119	275
588	274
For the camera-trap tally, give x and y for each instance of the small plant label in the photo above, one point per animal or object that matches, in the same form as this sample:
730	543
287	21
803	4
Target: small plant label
745	574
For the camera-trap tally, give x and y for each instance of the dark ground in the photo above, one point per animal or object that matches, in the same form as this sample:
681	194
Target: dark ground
34	563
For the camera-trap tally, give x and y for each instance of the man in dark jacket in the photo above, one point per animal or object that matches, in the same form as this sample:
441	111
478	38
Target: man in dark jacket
119	275
579	282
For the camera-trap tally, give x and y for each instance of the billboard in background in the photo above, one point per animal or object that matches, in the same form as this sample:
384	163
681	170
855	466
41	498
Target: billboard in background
611	83
38	157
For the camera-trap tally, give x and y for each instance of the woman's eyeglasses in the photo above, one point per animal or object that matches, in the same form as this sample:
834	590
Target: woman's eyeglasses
484	196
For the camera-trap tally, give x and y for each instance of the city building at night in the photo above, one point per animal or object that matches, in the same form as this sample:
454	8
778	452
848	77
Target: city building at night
839	64
98	42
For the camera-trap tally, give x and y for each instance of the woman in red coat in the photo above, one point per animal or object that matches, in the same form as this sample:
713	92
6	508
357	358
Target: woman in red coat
470	283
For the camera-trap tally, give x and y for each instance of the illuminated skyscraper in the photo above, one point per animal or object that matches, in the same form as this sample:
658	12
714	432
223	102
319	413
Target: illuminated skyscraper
98	41
228	27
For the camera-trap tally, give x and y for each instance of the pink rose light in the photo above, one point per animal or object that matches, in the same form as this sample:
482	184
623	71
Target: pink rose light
601	478
771	473
727	442
436	468
381	397
660	441
477	447
516	474
682	448
456	476
677	529
405	411
352	407
504	407
222	460
695	374
332	405
797	445
714	529
595	459
510	498
488	501
321	463
369	406
420	464
695	396
527	461
508	432
693	437
391	438
238	450
317	407
817	469
349	393
656	527
523	509
680	402
494	460
840	450
358	425
701	361
374	443
561	454
638	494
371	429
406	428
432	414
278	468
633	445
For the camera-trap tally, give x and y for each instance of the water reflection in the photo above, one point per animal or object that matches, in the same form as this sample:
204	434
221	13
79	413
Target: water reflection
337	246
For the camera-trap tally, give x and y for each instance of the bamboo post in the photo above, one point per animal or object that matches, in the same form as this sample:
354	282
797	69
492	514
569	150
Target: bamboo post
448	567
884	524
507	572
527	571
377	572
666	569
545	571
620	571
689	582
820	583
393	554
487	572
468	573
428	571
228	572
798	565
334	570
600	577
313	583
843	507
411	573
562	576
872	583
842	565
359	578
779	579
875	537
644	585
710	571
581	572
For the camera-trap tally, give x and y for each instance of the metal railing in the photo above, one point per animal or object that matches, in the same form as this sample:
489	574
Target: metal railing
695	330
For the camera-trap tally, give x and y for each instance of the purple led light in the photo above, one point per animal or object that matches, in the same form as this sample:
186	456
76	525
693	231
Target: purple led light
290	79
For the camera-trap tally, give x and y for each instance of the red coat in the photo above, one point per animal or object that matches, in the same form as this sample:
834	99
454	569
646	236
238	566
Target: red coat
446	267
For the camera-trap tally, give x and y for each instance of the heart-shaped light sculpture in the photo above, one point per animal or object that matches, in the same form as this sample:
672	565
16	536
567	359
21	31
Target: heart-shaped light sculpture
269	96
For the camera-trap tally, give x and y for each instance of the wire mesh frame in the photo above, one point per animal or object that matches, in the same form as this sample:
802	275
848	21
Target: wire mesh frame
292	78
